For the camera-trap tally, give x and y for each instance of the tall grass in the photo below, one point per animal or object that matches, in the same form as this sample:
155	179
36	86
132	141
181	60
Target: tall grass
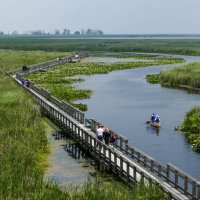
10	60
187	75
190	126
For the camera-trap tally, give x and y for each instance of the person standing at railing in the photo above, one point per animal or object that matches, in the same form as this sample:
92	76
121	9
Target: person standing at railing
106	135
100	131
113	139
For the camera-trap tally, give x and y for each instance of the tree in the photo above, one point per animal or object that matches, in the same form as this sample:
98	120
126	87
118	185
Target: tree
77	33
56	32
66	31
14	33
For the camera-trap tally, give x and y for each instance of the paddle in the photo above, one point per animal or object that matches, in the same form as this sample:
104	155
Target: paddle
147	122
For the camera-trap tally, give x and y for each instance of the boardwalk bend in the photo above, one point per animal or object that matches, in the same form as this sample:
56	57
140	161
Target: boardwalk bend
124	160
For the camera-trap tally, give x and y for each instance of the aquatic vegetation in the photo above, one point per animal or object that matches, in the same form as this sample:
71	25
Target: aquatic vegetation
184	76
59	80
190	126
153	78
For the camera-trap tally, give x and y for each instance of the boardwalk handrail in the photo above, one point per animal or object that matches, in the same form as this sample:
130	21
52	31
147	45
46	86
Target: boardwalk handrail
69	109
44	65
94	125
168	173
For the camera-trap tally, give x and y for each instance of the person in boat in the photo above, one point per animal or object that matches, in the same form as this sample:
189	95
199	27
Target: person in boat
157	119
153	117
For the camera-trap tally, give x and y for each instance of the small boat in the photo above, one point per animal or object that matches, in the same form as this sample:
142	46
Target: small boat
155	124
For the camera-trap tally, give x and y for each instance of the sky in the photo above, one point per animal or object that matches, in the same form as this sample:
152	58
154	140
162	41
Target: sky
110	16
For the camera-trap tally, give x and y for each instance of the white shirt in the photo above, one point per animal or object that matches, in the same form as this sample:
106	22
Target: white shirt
100	131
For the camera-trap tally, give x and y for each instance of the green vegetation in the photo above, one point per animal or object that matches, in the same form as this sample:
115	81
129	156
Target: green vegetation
24	149
186	77
153	78
58	80
191	127
10	60
180	46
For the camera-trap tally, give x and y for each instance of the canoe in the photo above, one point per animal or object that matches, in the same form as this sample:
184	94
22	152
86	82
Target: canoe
155	124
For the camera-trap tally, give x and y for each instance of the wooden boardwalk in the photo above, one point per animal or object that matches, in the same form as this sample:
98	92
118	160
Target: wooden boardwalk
127	162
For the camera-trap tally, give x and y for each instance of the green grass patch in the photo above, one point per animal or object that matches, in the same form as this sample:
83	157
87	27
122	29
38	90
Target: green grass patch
10	60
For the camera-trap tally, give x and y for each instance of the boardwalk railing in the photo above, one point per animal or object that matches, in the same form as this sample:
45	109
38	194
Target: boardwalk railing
151	170
169	173
44	66
69	109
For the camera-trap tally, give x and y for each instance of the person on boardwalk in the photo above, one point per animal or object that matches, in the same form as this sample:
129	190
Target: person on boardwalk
27	83
100	131
113	139
23	82
106	135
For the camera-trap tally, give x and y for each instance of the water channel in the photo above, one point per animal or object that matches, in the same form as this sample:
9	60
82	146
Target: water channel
123	100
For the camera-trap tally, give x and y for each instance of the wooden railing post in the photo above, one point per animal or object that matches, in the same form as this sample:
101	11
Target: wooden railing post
168	173
194	189
121	143
176	179
186	185
198	190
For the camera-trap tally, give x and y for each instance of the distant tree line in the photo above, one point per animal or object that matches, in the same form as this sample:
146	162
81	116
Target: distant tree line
57	32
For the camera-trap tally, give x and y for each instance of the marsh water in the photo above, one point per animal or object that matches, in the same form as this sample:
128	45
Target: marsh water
124	101
68	164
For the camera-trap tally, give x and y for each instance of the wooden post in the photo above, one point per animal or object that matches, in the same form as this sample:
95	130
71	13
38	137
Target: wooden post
128	171
194	189
168	173
121	166
152	165
159	170
198	190
185	185
121	143
176	179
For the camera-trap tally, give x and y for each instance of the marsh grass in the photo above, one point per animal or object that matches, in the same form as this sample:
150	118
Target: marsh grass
10	59
190	126
175	46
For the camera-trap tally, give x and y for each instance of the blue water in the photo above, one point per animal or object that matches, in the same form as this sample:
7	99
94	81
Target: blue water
123	100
